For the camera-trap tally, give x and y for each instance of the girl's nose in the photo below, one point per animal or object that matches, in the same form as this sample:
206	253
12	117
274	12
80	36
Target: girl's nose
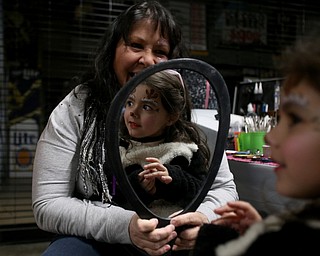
272	137
132	114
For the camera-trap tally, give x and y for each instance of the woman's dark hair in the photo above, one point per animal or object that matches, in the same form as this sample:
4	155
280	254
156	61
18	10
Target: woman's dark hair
101	77
102	85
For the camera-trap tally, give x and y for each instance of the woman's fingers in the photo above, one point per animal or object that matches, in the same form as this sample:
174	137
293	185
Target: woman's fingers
145	235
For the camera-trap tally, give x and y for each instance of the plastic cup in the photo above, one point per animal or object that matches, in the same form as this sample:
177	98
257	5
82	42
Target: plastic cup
244	140
266	151
257	141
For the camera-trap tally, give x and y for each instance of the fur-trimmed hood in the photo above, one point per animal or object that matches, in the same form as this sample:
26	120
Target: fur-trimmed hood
165	152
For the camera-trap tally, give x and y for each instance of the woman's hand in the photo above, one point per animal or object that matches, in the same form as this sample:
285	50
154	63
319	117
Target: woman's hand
145	235
238	215
189	225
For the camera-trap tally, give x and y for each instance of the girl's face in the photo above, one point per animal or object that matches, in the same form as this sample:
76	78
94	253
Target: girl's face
144	114
146	47
295	143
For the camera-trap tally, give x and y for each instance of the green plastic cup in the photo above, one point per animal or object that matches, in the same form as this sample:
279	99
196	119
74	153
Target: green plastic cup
257	141
244	139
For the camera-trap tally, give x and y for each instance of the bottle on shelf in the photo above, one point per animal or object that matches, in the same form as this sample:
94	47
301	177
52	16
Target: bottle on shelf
259	106
276	96
250	110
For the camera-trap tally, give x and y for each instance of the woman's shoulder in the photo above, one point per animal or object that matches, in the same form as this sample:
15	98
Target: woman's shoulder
70	109
77	95
74	100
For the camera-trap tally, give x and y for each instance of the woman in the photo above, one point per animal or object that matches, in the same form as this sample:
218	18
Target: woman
71	180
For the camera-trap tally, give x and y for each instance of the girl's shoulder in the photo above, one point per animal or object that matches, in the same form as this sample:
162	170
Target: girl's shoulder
283	233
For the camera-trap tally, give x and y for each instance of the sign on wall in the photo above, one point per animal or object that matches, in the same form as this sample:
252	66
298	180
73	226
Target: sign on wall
243	27
24	113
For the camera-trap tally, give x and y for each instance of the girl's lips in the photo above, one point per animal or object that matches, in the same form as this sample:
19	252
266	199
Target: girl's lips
133	125
278	167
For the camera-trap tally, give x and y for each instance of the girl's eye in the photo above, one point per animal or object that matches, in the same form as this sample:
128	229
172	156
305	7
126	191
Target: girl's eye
129	103
294	119
147	108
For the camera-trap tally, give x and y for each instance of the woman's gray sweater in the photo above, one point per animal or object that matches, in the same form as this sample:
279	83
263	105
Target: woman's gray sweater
55	180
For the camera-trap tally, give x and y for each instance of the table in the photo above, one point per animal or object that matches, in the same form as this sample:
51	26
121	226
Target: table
255	181
207	122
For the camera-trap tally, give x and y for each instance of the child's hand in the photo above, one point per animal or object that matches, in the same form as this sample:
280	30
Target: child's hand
156	170
147	184
238	215
152	171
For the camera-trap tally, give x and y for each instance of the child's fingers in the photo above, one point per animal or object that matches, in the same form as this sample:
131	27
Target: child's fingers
166	179
152	160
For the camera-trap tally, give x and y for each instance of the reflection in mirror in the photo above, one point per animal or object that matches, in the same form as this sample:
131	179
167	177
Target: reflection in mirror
115	114
204	105
201	93
166	144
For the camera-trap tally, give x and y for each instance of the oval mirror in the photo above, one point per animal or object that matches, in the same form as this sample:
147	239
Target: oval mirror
216	133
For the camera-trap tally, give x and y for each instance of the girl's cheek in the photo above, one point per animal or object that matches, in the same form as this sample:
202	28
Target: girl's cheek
290	147
149	121
297	148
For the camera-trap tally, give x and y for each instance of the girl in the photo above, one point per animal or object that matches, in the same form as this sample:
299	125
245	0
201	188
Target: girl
164	154
295	145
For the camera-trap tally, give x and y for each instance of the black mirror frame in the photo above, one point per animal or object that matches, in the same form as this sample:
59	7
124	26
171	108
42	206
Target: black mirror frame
112	140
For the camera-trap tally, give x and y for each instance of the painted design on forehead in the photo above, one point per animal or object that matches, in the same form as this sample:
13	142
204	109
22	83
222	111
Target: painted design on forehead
295	99
300	101
152	94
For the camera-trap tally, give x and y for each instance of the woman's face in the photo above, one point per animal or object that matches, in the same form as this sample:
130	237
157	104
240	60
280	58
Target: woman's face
144	114
146	47
295	143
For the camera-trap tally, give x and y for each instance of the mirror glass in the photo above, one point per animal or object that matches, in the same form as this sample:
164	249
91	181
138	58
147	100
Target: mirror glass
166	144
148	119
